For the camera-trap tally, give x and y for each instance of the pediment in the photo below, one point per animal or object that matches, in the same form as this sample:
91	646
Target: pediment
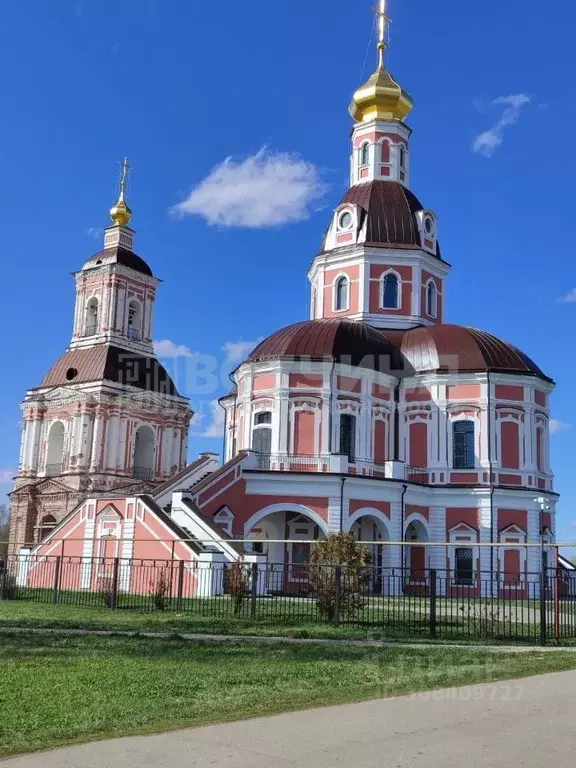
65	395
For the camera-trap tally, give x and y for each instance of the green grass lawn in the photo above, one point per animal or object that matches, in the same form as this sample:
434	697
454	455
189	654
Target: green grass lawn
57	690
294	618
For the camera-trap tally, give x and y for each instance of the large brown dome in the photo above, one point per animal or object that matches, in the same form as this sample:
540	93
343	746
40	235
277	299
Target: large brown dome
333	340
425	349
389	210
459	349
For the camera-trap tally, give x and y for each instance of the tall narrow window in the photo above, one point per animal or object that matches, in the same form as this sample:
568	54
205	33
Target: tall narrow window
464	557
262	438
431	299
341	294
55	453
348	435
463	445
364	154
390	291
143	457
91	327
134	321
402	156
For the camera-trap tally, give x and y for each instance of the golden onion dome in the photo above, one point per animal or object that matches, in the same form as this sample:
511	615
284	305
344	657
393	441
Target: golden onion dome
380	98
120	213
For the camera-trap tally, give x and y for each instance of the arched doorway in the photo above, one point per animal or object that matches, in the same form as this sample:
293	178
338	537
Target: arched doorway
416	556
55	449
369	528
143	465
286	537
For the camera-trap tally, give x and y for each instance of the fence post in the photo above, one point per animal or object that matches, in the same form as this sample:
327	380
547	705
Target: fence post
337	593
433	593
114	592
180	586
4	581
254	590
543	632
56	579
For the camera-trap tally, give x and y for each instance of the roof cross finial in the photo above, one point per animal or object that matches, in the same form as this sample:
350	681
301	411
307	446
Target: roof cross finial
125	170
383	21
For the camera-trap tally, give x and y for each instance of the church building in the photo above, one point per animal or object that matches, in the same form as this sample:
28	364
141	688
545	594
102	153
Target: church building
373	415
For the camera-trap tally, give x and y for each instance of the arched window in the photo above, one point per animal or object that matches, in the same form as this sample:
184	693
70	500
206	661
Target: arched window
143	465
385	152
341	293
364	154
55	449
134	321
262	438
91	326
402	156
431	299
390	293
47	524
348	435
463	448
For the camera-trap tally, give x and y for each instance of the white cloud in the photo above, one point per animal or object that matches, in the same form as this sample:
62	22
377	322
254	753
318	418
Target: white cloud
267	189
238	350
216	426
95	232
558	426
569	298
488	141
167	348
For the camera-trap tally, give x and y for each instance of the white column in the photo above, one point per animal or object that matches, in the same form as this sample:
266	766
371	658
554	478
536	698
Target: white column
111	458
34	446
96	451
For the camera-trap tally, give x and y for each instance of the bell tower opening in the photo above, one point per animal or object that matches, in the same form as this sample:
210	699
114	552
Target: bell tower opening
55	452
143	465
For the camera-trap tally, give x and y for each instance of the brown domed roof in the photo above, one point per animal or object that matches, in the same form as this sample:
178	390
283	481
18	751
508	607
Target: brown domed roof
108	363
118	255
459	349
436	348
334	340
390	209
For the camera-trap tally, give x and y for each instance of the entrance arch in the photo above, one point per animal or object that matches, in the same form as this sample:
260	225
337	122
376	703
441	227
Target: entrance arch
371	525
416	556
290	530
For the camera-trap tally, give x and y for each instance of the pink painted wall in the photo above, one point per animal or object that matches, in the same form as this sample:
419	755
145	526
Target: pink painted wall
305	381
349	384
463	391
380	445
353	273
541	398
505	392
417	395
510	445
263	382
419	445
304	422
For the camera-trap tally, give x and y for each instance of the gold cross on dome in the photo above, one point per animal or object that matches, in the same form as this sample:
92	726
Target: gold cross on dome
125	170
383	21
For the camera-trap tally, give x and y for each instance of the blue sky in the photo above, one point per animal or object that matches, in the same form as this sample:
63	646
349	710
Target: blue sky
180	86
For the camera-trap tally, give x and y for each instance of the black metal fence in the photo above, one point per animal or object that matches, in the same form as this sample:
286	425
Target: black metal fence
395	603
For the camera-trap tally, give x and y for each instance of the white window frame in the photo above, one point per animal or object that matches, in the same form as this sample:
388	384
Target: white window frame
340	276
399	292
429	312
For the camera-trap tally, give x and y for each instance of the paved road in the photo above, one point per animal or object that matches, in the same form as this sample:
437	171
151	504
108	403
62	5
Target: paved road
526	722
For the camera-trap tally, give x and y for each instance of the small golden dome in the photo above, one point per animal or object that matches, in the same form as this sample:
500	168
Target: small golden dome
120	213
380	98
